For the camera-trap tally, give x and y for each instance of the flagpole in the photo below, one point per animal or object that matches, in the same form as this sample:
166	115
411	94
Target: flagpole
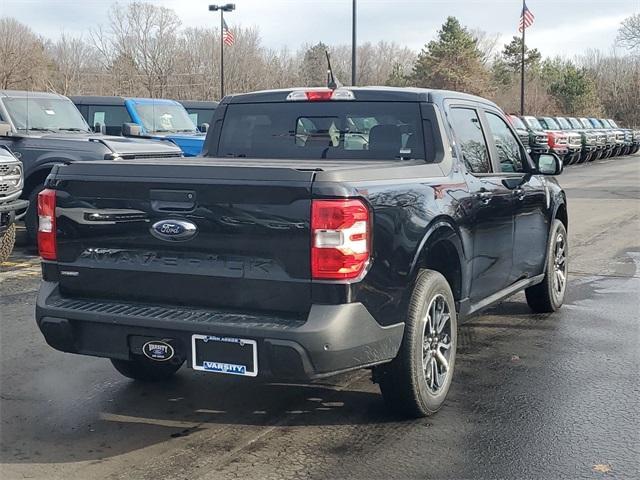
221	54
524	29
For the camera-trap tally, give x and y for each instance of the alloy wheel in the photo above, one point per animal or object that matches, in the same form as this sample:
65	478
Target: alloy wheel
436	343
560	266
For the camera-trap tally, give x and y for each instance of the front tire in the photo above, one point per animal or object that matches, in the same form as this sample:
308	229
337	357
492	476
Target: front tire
415	384
7	240
145	370
548	296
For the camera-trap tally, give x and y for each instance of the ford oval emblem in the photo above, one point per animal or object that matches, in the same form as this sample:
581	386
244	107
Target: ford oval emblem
158	350
174	230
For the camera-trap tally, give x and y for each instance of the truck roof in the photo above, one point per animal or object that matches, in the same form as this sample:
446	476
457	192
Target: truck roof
371	94
25	94
198	103
117	100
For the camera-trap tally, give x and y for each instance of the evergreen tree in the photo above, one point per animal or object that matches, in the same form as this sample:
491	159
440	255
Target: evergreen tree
576	92
313	71
452	61
506	68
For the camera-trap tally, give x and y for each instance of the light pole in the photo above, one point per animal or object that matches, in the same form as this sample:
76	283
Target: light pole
229	7
353	45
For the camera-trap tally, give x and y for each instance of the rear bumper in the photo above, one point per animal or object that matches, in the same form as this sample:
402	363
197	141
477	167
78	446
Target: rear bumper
331	339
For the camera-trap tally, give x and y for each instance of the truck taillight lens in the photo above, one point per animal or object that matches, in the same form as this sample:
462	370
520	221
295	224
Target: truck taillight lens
47	225
341	239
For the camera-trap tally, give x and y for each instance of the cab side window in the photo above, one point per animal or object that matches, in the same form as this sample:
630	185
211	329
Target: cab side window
112	117
510	154
468	132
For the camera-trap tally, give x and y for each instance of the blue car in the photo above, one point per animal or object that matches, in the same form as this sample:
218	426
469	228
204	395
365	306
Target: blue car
160	119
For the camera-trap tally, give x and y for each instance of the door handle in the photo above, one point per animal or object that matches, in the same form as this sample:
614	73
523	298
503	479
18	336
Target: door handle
519	193
484	197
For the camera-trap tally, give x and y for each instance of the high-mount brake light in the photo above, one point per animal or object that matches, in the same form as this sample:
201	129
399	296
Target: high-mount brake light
47	246
341	239
320	95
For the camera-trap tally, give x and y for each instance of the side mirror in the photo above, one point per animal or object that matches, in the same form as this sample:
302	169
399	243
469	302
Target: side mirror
5	129
131	130
204	128
549	164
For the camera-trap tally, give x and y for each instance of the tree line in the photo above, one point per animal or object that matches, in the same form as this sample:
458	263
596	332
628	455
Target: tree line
144	50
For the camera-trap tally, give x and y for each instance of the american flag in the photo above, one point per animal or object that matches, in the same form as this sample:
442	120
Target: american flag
527	18
227	35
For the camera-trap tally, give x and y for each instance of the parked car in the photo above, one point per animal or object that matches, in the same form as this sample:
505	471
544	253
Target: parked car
600	138
11	182
624	136
574	140
323	231
613	142
609	137
588	138
558	141
154	118
537	140
201	112
45	129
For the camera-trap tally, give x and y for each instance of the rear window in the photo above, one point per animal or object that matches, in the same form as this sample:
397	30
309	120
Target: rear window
318	130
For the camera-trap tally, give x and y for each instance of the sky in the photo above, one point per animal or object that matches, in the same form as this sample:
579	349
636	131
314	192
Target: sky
562	27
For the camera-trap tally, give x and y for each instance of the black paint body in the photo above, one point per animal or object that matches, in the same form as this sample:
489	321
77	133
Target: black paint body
251	256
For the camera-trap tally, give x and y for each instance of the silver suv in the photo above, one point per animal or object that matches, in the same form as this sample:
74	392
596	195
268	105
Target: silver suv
11	182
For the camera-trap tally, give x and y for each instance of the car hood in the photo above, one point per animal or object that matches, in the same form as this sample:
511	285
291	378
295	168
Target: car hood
121	145
191	144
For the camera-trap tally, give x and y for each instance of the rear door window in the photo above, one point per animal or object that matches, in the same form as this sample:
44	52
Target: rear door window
112	117
317	130
468	132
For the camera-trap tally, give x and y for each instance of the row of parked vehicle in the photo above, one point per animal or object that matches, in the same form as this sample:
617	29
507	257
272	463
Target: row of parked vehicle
576	140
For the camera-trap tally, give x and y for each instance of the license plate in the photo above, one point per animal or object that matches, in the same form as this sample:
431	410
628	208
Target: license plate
229	355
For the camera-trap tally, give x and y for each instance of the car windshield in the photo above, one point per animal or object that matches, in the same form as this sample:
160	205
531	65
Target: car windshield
533	123
318	130
161	117
596	123
575	123
517	123
564	123
551	123
44	114
613	123
586	123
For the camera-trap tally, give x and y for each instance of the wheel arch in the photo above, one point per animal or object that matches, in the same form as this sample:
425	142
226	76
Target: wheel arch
441	249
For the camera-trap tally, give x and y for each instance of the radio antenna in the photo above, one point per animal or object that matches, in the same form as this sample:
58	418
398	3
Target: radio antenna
332	81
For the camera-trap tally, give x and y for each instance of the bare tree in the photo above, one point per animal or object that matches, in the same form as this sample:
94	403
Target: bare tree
629	33
487	43
22	56
71	57
144	36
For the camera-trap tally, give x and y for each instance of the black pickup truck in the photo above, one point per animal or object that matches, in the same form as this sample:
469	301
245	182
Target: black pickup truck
323	231
45	129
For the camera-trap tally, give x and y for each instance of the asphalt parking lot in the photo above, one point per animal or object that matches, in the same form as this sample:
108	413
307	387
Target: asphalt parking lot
534	396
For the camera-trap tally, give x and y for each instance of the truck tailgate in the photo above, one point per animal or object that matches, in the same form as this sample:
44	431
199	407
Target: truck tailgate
250	249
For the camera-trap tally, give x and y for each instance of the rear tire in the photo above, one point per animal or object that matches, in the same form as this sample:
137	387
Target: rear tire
7	240
548	296
415	384
145	370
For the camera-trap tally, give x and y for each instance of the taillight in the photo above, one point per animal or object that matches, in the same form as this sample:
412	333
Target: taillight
320	95
341	239
47	224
